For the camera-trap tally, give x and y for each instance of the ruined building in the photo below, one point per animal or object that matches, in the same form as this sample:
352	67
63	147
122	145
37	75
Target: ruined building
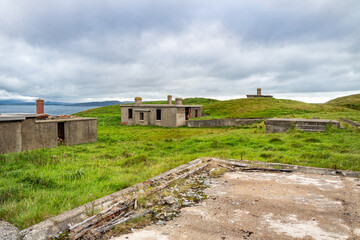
259	95
21	132
165	115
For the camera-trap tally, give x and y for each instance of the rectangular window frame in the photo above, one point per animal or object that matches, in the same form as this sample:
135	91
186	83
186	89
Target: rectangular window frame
130	113
158	114
141	116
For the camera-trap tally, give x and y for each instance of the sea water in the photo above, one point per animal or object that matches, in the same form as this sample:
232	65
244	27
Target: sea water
49	109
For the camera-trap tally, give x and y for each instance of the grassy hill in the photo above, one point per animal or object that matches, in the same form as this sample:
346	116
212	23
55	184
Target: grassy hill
351	101
242	108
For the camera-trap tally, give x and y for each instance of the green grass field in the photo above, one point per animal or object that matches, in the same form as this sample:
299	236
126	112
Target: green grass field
39	184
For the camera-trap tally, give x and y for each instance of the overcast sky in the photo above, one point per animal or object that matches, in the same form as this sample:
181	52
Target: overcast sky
86	50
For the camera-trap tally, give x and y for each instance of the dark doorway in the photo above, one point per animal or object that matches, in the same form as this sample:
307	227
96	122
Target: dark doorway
61	132
158	114
130	113
188	113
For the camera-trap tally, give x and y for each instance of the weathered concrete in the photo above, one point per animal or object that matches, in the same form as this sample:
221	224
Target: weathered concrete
21	132
274	206
8	231
172	115
77	130
352	123
259	95
223	122
38	135
10	137
277	125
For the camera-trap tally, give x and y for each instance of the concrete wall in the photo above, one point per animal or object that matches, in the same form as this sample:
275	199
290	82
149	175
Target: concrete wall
222	122
80	131
277	125
38	135
10	137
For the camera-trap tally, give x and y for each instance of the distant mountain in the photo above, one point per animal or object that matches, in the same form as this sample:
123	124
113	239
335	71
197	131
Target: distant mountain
19	102
95	104
99	104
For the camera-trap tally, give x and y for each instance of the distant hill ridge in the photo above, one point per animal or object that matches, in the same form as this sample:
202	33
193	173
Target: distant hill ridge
95	104
351	101
235	108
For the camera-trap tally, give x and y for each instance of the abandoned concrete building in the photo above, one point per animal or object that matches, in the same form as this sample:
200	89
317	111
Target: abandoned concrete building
21	132
165	115
259	95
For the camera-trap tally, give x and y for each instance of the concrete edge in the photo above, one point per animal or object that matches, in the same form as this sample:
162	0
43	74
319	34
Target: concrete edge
62	222
295	168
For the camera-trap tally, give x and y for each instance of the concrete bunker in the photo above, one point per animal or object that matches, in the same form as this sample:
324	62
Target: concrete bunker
259	95
165	115
21	132
278	125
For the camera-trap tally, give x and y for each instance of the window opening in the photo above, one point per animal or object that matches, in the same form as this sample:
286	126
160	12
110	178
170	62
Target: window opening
158	114
196	113
141	116
130	113
61	132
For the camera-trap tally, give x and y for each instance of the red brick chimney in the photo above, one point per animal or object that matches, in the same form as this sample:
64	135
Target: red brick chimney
40	106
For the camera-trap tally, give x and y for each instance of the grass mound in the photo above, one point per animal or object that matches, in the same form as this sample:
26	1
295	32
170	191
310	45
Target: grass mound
351	101
261	108
240	108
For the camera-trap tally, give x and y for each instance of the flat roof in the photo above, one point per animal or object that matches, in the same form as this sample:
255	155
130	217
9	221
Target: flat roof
4	117
64	119
159	105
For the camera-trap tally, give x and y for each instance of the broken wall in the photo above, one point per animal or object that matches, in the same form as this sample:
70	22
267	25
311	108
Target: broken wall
10	137
80	131
37	134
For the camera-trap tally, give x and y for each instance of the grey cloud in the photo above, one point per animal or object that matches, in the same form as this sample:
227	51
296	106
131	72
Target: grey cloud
116	50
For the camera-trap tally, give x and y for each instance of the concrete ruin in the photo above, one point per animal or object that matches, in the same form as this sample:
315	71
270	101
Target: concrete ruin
21	132
231	122
278	125
164	115
259	95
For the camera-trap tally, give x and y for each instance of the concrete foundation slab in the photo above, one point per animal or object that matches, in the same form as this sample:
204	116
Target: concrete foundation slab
261	205
277	125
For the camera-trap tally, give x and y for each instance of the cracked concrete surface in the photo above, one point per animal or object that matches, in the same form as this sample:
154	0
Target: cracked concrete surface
261	205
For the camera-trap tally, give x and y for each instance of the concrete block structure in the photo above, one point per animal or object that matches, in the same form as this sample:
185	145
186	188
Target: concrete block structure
278	125
259	95
21	132
231	122
165	115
